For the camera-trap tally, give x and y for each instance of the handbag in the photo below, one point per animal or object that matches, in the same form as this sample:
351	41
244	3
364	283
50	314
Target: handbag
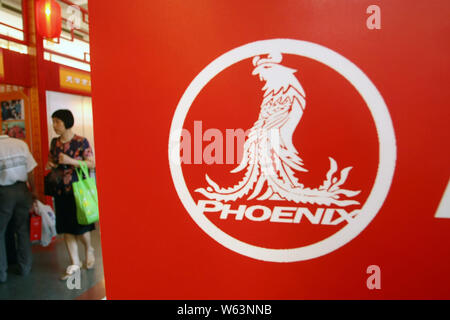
53	182
85	193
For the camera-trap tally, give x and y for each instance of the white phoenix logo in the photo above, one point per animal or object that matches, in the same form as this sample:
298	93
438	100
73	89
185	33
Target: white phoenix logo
269	156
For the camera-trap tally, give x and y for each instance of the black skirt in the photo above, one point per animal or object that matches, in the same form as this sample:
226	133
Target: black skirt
66	216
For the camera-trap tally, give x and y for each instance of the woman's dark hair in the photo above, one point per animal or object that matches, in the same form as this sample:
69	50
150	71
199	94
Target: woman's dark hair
65	116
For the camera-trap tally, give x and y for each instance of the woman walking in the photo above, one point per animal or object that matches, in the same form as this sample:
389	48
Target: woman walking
65	152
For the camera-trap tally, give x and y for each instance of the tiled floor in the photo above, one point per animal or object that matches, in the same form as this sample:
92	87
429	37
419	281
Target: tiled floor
48	264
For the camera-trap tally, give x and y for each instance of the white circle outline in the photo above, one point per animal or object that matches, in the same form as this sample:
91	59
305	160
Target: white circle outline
377	108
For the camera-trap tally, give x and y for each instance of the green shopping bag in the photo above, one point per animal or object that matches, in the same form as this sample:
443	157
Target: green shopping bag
85	192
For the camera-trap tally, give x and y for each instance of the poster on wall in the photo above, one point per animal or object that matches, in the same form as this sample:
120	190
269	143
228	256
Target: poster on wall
13	116
14	129
12	110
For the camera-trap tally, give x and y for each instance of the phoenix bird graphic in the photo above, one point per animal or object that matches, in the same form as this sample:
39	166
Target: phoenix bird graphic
270	159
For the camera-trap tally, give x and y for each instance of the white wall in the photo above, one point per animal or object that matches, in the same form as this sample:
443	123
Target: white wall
81	108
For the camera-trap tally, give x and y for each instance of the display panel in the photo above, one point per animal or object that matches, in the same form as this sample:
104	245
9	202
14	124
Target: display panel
210	205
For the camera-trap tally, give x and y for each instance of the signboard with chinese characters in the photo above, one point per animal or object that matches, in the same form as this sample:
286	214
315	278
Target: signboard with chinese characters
74	80
2	67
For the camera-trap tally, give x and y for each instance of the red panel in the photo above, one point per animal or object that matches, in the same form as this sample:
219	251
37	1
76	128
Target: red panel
153	249
17	68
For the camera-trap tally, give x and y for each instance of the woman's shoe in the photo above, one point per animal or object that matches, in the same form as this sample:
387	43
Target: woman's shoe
70	271
90	259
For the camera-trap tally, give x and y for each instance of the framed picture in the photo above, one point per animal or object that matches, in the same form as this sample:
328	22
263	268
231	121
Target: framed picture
14	129
14	119
12	110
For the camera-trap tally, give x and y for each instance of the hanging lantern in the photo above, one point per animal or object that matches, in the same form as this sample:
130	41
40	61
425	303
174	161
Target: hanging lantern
48	18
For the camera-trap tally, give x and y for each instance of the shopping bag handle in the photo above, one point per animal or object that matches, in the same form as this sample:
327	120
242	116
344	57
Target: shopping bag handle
83	168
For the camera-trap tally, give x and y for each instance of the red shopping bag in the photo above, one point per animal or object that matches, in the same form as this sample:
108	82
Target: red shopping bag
35	227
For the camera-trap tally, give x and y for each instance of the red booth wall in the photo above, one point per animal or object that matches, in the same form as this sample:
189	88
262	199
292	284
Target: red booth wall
144	57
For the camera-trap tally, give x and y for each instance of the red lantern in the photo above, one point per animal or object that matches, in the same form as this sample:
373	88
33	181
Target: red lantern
48	18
